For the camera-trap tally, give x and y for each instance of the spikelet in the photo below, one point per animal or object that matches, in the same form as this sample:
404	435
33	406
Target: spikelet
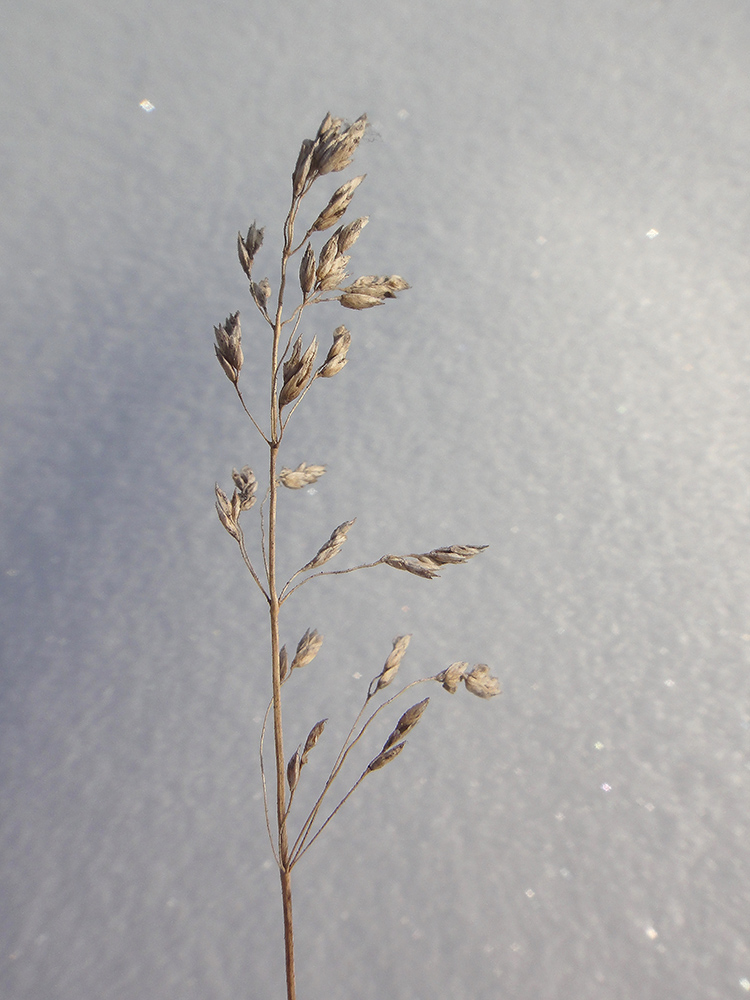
331	548
303	475
297	372
385	757
426	564
336	357
247	248
479	682
307	271
228	346
390	668
312	738
451	677
247	486
338	204
406	723
307	649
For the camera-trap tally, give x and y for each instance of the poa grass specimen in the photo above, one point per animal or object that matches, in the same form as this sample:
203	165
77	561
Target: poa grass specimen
293	371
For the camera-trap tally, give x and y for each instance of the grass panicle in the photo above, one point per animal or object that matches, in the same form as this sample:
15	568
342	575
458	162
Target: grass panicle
323	277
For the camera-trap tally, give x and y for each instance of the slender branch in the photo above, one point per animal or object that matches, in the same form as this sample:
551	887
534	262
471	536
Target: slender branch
299	846
257	427
263	531
246	557
324	572
263	780
318	832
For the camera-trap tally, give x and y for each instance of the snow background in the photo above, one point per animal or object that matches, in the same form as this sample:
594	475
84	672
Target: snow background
555	384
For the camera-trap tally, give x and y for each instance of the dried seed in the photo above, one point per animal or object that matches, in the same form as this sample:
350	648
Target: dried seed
335	149
283	664
355	300
228	512
336	358
451	677
293	769
307	649
406	723
411	717
410	565
426	564
331	547
313	737
336	274
247	486
337	205
382	287
328	254
307	271
481	683
297	372
450	554
302	168
385	757
247	248
303	475
390	668
228	346
261	293
349	234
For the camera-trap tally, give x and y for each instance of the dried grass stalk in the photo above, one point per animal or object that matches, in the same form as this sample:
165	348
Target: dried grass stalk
292	374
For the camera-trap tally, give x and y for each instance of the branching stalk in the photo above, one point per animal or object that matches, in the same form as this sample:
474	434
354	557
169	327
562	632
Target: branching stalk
293	371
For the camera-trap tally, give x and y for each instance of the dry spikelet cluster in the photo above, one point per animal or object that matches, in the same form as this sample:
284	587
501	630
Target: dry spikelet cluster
293	368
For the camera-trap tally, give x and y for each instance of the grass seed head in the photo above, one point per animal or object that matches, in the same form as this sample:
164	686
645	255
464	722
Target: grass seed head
314	735
336	357
293	769
307	649
331	548
337	205
307	271
451	677
481	683
303	475
247	486
406	723
385	757
348	235
391	665
248	247
228	346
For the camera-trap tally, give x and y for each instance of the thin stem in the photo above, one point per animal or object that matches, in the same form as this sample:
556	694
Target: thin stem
263	780
237	388
351	791
246	557
324	572
299	846
274	605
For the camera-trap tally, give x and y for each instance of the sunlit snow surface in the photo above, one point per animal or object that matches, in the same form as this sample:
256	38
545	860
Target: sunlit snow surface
558	383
